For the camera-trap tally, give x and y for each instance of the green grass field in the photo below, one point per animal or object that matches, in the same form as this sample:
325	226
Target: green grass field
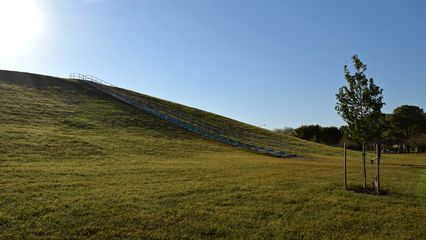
77	164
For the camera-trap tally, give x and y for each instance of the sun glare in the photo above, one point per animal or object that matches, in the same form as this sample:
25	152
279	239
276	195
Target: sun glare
20	22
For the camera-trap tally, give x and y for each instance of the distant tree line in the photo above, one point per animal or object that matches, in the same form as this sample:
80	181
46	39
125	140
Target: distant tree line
405	128
315	133
404	131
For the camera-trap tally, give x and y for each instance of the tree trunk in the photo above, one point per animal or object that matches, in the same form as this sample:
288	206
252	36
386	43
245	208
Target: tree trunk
363	166
344	156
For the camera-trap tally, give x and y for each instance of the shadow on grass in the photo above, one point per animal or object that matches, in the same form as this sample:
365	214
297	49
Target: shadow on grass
367	190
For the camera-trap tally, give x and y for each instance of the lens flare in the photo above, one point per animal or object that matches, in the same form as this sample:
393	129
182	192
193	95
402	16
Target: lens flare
20	22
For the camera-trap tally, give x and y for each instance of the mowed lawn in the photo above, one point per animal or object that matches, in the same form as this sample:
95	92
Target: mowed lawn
76	164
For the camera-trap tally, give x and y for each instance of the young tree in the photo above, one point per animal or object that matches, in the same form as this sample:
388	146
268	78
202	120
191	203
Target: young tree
360	104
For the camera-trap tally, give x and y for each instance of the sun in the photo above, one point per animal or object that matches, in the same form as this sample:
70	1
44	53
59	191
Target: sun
20	22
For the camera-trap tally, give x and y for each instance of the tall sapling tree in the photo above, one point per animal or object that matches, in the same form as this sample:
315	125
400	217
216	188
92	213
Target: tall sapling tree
360	104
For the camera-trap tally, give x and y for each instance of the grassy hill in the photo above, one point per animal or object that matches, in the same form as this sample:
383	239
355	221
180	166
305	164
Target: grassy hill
76	164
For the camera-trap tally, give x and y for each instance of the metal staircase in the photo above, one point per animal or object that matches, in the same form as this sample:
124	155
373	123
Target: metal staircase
175	117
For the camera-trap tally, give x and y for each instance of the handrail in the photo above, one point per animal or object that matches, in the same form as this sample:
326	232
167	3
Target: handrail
178	118
79	76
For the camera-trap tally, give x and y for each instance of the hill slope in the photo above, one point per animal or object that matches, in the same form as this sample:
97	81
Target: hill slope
78	164
64	106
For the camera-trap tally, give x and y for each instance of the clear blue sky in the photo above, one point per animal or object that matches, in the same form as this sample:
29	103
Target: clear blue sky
277	63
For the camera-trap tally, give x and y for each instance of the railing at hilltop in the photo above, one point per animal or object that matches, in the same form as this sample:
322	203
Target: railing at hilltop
175	117
91	78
